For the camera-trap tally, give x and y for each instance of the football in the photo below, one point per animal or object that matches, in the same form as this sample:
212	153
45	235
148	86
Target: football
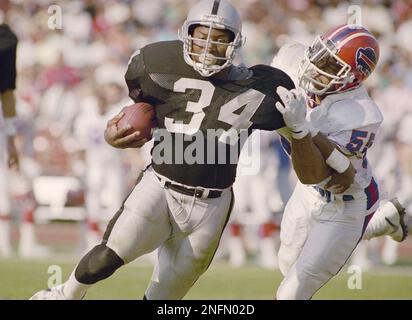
141	117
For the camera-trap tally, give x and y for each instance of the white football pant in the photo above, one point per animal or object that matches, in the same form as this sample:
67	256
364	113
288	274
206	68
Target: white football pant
186	230
317	238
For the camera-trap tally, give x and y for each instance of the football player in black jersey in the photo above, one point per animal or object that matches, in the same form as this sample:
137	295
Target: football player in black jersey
181	204
181	207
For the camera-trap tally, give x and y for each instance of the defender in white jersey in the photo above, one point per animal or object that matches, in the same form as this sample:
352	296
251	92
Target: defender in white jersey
323	223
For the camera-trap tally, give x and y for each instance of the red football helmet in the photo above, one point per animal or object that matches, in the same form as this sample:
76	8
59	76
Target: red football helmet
339	60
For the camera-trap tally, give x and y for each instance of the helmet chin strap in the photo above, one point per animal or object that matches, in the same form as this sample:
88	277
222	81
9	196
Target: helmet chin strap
340	88
208	59
211	68
198	66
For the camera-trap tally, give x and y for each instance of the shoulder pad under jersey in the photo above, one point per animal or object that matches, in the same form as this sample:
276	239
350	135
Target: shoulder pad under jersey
351	114
166	57
271	78
156	67
288	57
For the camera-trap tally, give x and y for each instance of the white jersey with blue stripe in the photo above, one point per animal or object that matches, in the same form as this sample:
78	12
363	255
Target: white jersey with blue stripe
351	120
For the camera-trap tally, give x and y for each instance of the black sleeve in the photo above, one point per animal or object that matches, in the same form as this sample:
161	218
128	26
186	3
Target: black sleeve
8	48
141	86
267	116
134	75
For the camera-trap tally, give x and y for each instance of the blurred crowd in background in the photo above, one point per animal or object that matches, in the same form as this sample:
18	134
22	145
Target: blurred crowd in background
70	81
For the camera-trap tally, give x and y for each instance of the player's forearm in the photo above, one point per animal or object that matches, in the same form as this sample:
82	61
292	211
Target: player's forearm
308	161
8	101
326	147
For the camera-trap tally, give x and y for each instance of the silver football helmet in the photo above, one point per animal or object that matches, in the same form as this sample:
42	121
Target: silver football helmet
215	14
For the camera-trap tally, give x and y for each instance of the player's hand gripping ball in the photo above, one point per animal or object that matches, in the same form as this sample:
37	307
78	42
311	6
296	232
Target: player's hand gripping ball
132	127
140	117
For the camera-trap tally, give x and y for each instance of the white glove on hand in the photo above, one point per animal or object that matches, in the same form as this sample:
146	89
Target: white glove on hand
293	111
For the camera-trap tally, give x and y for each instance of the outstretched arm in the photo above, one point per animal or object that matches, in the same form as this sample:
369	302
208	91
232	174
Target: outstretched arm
308	161
339	181
314	159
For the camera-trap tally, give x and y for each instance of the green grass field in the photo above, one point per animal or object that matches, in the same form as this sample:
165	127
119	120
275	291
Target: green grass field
19	279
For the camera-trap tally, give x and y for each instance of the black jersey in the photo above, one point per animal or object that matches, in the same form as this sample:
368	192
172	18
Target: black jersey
8	45
192	108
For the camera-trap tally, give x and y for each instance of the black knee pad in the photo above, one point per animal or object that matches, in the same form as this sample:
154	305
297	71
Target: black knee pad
100	263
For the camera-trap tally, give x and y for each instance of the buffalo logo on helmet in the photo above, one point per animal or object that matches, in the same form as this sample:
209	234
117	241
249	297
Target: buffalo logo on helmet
366	60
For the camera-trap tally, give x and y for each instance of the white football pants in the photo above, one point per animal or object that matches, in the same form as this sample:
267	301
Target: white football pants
186	230
317	238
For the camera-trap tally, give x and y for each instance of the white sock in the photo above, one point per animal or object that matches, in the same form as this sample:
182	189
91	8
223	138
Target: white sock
5	243
268	253
378	226
390	252
73	289
237	254
27	236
